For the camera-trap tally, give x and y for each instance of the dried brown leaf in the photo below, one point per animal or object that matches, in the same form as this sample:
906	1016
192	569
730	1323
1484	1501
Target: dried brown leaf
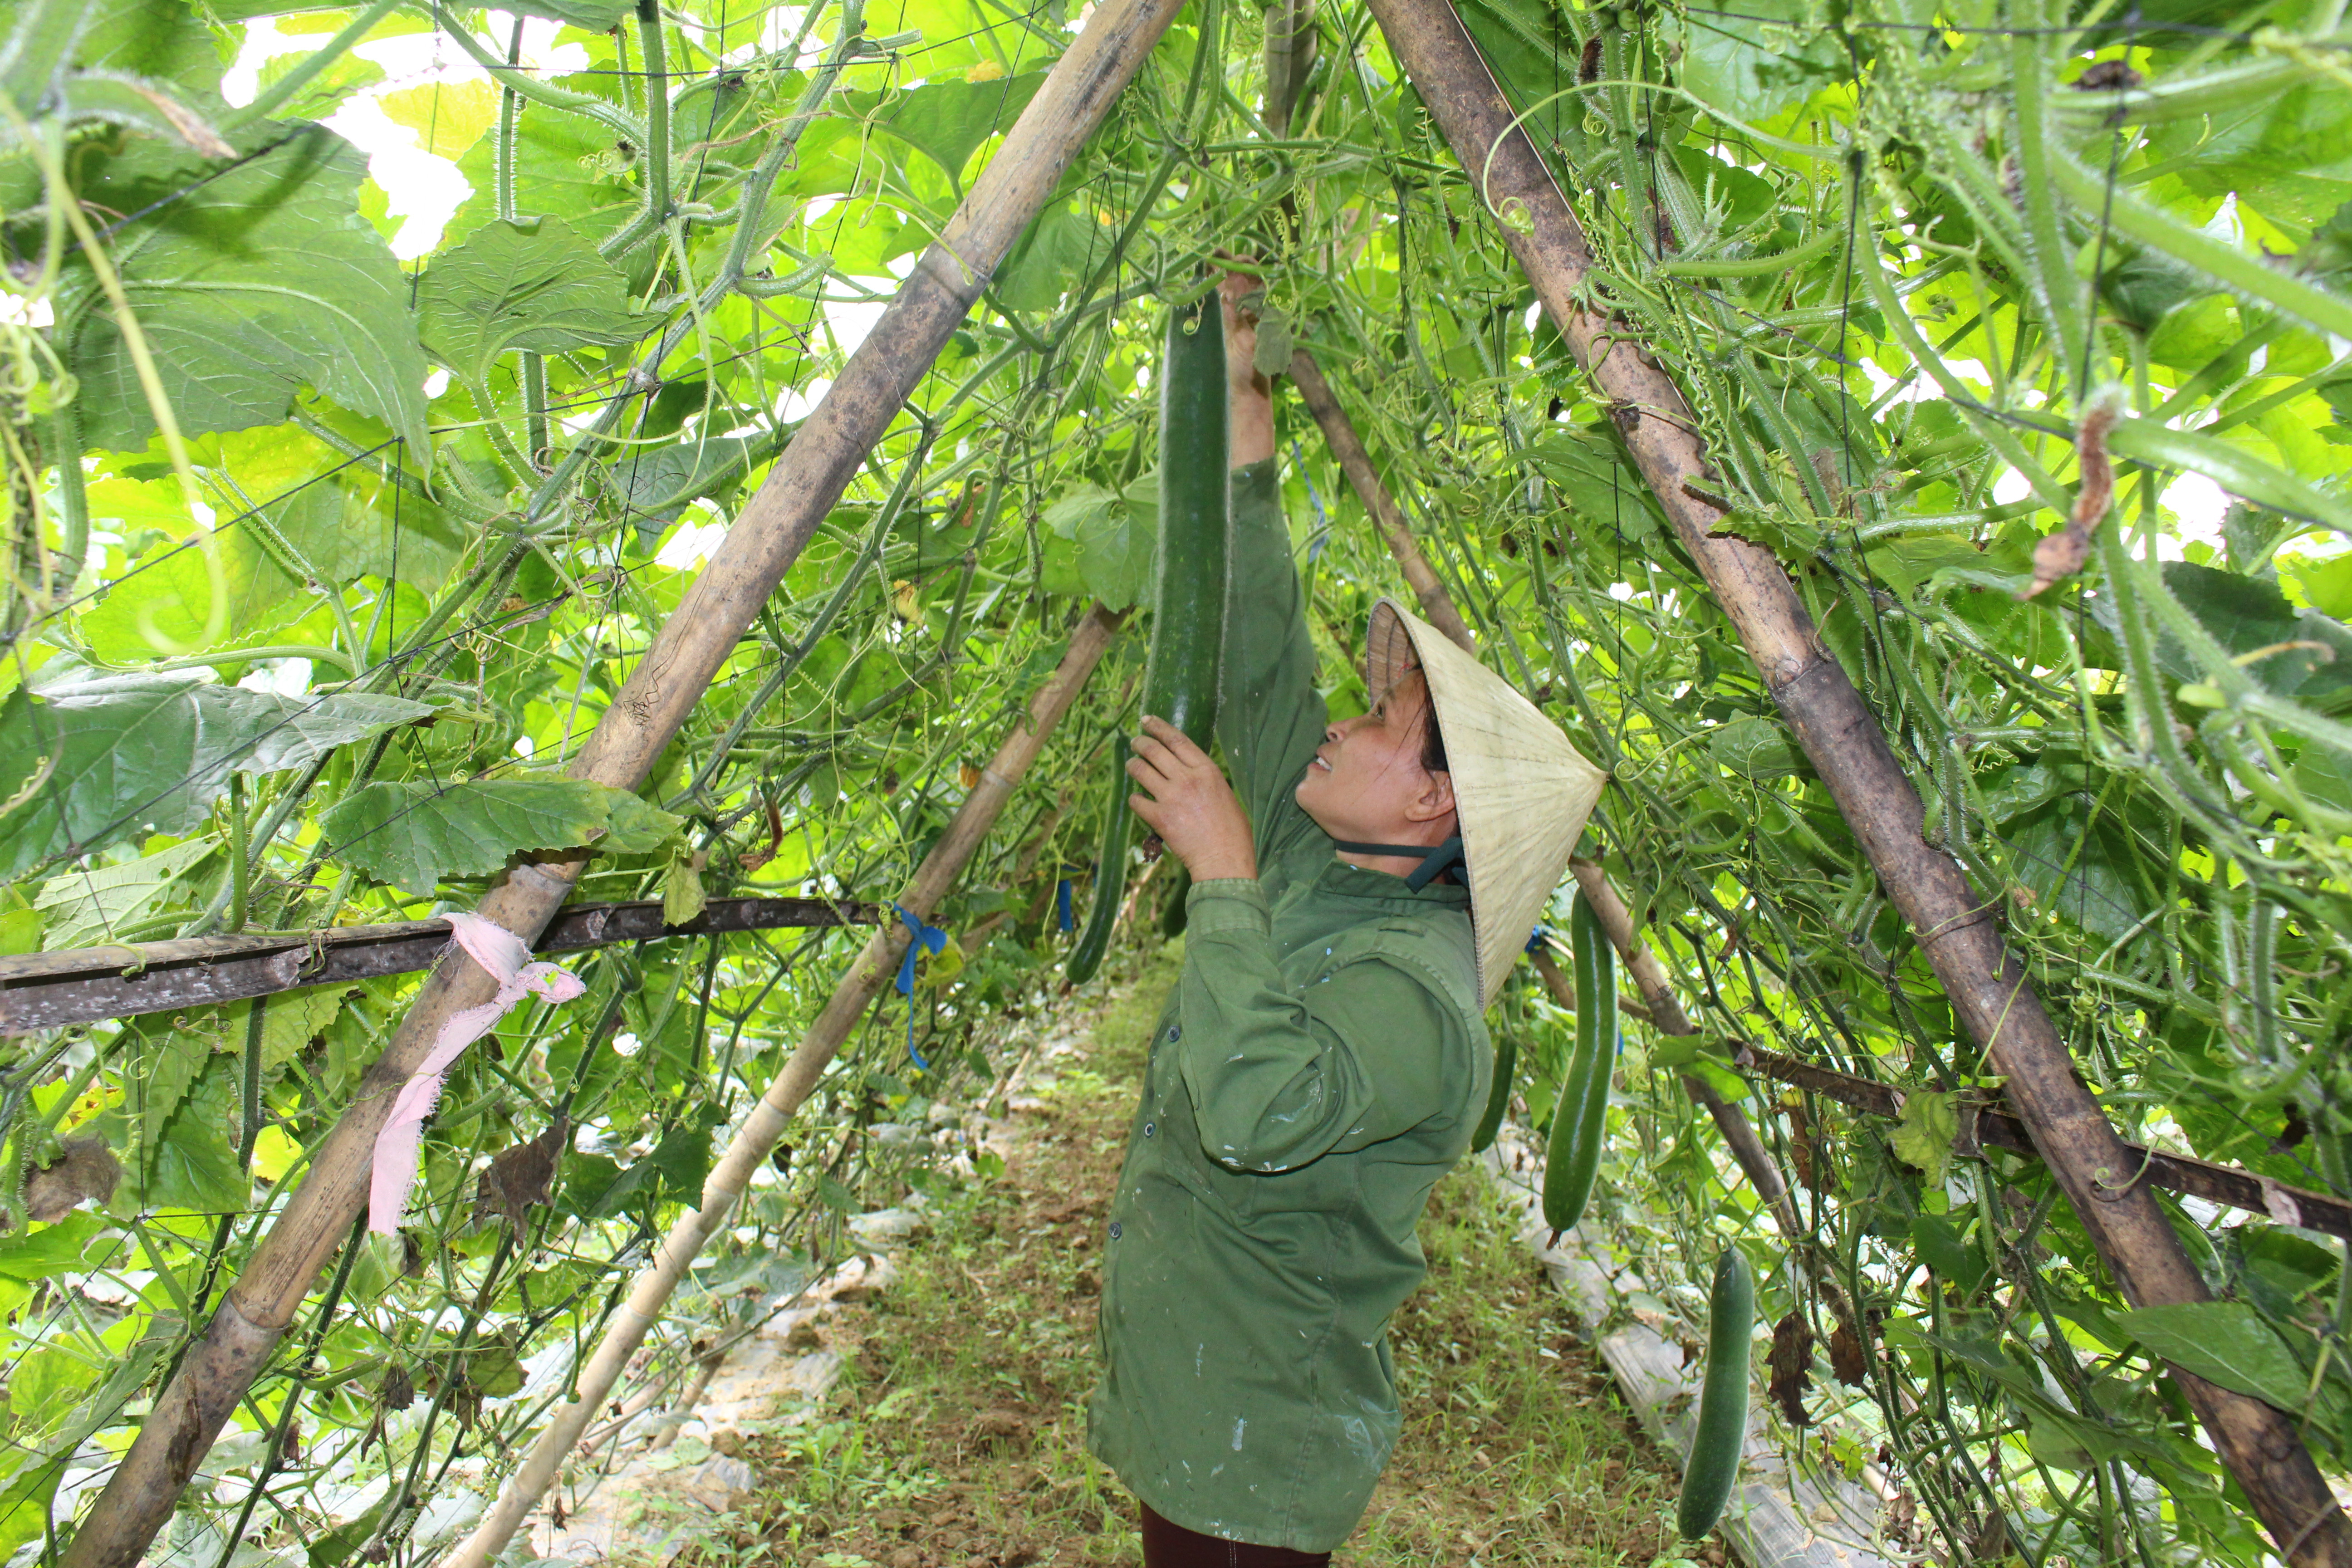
1792	1367
86	1170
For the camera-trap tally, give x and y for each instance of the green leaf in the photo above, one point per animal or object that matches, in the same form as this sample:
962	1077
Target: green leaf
2222	1342
566	167
1756	748
683	895
413	835
49	1249
164	604
152	753
256	280
593	16
291	1020
948	120
194	1165
1924	1133
635	825
85	906
657	484
2229	466
1059	247
354	526
514	285
1752	65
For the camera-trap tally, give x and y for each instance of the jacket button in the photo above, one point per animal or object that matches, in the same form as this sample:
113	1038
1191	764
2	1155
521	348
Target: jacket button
1114	1230
1150	1127
1175	1031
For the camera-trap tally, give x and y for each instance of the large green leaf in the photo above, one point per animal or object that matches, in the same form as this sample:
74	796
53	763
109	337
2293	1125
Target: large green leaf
2225	1343
250	282
166	603
51	1249
529	284
948	120
154	752
1751	63
86	904
193	1162
1058	249
412	834
656	484
566	167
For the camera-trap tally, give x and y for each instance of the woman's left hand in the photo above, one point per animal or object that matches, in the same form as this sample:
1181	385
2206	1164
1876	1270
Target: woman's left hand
1190	805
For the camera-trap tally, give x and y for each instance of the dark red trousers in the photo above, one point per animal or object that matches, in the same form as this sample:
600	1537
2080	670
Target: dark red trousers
1167	1545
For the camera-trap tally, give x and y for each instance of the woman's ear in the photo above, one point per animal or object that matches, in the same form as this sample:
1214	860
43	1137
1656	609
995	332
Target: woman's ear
1434	800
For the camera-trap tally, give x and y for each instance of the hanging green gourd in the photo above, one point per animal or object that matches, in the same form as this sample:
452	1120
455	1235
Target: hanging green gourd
1498	1094
1188	610
1578	1121
1722	1436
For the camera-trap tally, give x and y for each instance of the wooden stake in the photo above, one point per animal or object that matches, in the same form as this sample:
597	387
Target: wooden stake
692	647
749	1148
1954	927
1347	448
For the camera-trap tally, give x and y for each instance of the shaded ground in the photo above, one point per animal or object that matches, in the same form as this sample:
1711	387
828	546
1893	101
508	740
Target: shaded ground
958	1437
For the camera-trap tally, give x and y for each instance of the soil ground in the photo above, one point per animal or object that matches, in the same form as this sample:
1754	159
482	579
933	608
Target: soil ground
957	1436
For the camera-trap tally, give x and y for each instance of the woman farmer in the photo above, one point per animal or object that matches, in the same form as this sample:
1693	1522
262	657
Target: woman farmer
1360	890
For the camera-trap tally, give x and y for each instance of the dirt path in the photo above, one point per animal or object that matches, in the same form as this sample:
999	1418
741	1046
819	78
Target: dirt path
957	1436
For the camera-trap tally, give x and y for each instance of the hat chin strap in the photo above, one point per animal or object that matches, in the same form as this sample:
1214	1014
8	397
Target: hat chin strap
1435	859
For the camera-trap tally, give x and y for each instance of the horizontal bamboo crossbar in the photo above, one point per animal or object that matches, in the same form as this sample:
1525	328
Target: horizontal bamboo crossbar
84	984
1984	1122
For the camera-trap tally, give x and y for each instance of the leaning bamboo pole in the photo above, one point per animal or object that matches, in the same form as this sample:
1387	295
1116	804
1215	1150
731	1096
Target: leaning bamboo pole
749	1148
1955	926
1348	450
692	647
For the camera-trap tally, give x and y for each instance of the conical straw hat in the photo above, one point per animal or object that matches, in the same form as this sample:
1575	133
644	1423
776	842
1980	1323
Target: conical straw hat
1520	791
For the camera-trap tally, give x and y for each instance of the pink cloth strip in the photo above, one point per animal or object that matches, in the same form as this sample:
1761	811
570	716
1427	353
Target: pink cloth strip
505	959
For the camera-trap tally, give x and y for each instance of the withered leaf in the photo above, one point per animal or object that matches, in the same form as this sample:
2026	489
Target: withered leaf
1792	1367
1849	1359
396	1392
86	1170
520	1176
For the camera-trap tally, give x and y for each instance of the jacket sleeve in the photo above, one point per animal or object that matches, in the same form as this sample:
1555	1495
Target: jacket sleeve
1279	1080
1270	717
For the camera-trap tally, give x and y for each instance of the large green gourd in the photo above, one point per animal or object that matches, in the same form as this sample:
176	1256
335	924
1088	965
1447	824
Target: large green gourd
1580	1120
1188	611
1714	1468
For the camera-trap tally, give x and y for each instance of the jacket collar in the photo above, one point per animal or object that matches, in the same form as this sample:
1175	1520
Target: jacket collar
1357	882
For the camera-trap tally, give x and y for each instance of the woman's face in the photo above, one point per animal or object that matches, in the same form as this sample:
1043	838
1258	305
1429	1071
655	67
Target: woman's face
1366	783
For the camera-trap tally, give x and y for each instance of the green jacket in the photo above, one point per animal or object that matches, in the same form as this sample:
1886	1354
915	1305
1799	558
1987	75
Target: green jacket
1321	1064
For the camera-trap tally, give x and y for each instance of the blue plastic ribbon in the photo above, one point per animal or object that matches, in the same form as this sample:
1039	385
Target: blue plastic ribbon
1062	902
922	938
1536	940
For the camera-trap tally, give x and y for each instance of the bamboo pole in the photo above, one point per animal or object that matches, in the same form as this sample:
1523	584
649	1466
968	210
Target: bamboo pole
692	647
748	1148
1347	448
1989	991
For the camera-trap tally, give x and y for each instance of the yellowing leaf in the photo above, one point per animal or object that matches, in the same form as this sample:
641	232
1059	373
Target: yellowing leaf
448	117
1923	1136
683	896
986	70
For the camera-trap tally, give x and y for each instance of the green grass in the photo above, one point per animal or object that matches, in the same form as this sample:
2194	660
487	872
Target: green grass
957	1436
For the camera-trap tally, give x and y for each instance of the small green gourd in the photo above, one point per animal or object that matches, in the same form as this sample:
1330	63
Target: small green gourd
1499	1096
1580	1120
1714	1468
